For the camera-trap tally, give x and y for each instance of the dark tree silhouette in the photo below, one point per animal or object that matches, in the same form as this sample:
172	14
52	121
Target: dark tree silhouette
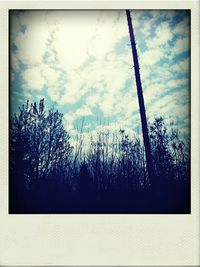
147	145
48	176
40	150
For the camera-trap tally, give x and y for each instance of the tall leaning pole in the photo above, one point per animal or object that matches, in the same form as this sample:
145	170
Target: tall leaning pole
146	139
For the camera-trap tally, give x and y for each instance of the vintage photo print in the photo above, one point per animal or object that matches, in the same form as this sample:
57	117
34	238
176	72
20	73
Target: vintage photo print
99	112
99	119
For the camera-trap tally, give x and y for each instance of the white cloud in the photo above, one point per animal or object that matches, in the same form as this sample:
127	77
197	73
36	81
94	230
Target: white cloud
169	105
93	100
82	112
163	35
182	28
69	117
71	41
15	63
181	45
74	56
33	78
182	66
151	56
31	45
176	82
51	75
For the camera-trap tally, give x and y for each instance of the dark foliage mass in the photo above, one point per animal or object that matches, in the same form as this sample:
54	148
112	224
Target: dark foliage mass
48	175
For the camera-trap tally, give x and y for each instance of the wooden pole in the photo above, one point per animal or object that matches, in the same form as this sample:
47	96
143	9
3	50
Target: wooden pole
146	139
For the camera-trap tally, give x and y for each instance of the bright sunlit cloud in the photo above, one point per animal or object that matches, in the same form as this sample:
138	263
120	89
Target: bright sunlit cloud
81	63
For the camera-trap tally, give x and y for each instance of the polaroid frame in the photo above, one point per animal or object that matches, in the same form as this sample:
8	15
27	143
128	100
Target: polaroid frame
99	240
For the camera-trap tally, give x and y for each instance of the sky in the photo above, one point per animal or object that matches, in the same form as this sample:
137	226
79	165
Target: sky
80	62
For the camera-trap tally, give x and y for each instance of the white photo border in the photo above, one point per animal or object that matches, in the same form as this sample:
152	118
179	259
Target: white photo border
99	240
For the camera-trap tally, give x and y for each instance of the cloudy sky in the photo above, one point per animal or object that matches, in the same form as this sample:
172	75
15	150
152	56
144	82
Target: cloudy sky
81	63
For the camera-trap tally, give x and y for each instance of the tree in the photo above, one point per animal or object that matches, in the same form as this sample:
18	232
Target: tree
141	102
40	148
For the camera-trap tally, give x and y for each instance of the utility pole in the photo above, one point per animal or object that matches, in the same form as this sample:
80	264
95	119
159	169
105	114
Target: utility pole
146	139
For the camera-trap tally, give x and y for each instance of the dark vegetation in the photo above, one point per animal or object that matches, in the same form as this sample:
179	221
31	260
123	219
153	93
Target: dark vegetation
48	175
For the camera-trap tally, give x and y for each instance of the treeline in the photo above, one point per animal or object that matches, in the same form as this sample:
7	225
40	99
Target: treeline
49	175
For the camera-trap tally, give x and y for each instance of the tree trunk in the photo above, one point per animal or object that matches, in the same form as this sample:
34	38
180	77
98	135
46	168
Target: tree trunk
141	102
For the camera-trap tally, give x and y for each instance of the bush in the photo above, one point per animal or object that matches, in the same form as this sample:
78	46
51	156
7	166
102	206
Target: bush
48	175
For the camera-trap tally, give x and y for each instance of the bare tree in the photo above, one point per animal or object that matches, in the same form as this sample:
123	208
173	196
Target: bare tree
141	102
